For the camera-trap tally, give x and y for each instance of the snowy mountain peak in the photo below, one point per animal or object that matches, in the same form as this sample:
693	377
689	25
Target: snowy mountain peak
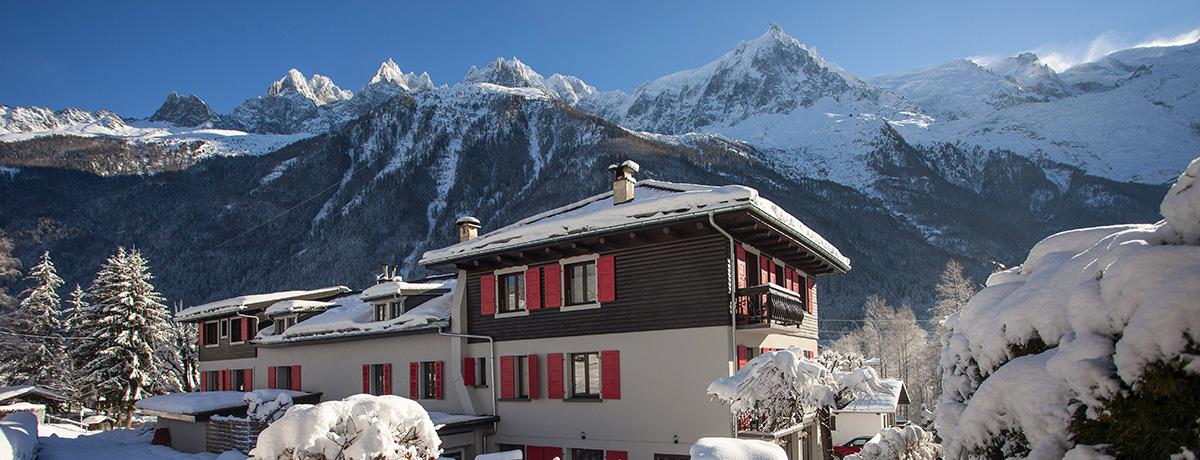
506	72
185	111
389	72
1033	75
320	89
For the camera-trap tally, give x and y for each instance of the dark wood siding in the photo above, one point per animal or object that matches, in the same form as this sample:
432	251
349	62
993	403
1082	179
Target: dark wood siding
225	351
673	285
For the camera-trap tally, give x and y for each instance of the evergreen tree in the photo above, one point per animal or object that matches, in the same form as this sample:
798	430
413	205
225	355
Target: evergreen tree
35	354
117	361
10	269
72	326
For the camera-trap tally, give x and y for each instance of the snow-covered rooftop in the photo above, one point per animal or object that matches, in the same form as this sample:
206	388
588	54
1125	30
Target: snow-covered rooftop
655	201
353	316
297	306
394	288
236	304
883	402
205	401
7	393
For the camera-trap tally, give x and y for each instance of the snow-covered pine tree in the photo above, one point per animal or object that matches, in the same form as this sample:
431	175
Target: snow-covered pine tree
10	269
181	357
73	324
116	360
36	354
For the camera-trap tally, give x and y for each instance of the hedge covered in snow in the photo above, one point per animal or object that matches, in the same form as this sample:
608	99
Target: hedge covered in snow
735	449
896	443
359	427
1089	347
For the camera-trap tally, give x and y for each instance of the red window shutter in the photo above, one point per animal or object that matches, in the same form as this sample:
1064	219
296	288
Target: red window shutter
366	379
742	278
554	376
551	453
743	356
507	391
437	379
533	289
787	279
414	380
295	378
248	375
553	274
533	453
271	377
468	372
245	328
610	374
616	455
487	295
812	296
203	380
763	270
227	380
533	376
202	336
387	379
771	273
606	286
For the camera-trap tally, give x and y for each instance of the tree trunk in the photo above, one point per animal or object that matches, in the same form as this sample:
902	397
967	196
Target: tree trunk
826	434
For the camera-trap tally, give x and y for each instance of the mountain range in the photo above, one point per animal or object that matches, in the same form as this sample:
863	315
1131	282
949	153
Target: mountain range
311	184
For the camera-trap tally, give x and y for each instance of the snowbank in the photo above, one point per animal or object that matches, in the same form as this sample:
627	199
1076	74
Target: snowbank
358	427
1081	319
506	455
895	443
20	436
735	449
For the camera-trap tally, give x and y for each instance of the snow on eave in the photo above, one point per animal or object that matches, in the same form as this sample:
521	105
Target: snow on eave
297	306
7	393
698	200
879	402
353	317
206	401
239	303
398	288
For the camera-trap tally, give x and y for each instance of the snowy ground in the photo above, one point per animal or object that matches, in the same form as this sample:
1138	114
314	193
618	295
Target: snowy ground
66	442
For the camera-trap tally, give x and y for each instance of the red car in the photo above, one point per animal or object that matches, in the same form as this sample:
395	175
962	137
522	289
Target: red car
850	447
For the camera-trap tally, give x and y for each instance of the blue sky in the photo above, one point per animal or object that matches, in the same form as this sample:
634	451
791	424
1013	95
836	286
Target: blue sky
128	56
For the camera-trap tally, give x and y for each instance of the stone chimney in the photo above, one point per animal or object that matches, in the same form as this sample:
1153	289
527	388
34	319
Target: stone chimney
468	228
623	181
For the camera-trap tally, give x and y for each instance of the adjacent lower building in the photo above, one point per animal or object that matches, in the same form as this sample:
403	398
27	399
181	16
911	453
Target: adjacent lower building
587	332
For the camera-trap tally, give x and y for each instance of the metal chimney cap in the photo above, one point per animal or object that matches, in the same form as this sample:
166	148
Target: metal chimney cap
466	220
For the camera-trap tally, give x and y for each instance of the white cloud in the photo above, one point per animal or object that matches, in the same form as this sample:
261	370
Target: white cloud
1061	56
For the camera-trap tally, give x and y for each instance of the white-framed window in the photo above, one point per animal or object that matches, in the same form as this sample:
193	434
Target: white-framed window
481	372
510	290
282	323
579	282
377	379
585	375
380	312
211	333
214	381
395	309
283	377
430	379
224	328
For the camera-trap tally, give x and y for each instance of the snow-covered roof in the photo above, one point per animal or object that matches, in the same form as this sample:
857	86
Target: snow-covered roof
239	303
394	288
353	316
878	402
655	202
7	393
205	401
297	306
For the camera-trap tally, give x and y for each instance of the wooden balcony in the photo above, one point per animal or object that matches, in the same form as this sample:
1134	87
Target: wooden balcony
769	305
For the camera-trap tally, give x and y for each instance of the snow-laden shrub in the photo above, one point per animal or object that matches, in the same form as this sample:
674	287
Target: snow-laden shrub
735	449
20	436
359	427
777	387
1095	322
266	411
896	443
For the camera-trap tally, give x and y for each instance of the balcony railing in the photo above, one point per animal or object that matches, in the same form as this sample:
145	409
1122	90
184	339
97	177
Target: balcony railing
769	303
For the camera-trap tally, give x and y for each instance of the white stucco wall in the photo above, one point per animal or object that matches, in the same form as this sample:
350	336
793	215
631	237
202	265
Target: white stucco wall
664	375
185	436
851	425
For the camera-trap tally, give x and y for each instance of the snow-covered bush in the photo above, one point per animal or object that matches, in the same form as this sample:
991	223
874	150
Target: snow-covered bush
20	436
896	443
358	427
1093	340
266	411
777	387
735	449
